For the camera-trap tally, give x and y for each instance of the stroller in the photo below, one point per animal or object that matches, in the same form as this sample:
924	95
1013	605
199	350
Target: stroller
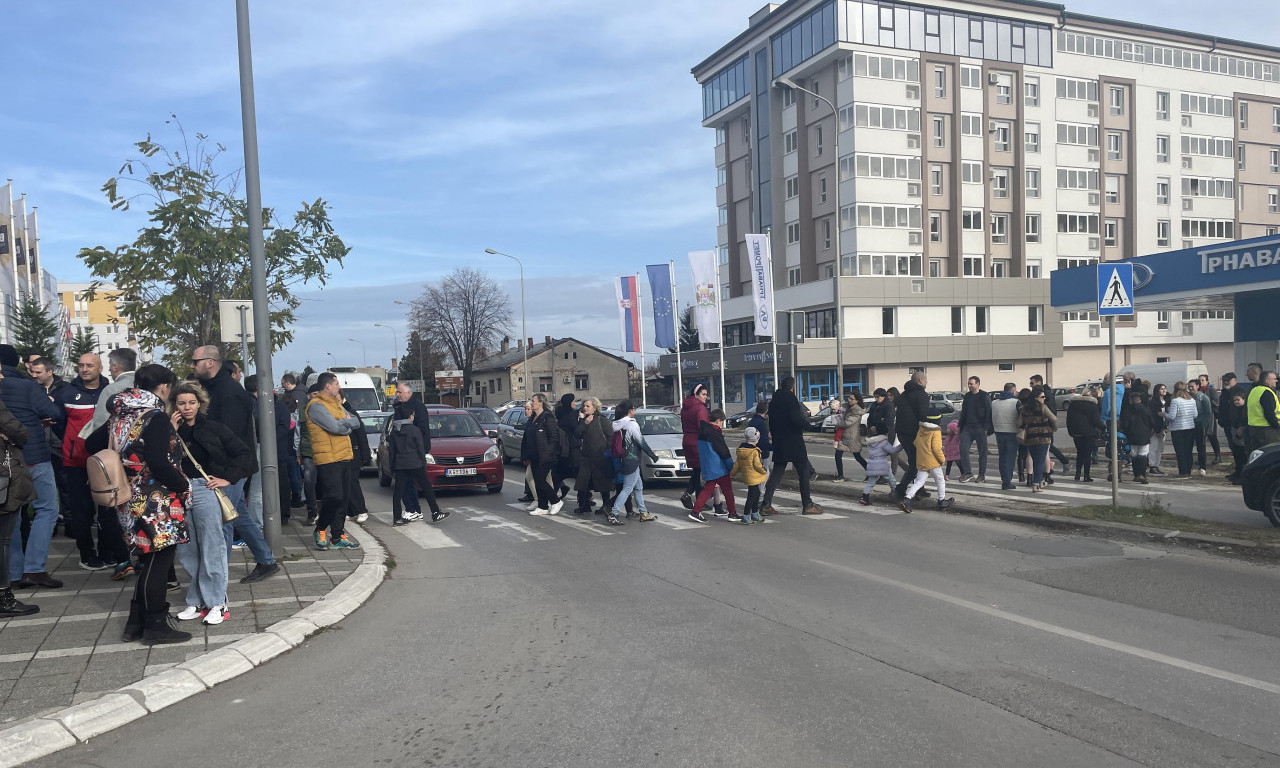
1123	451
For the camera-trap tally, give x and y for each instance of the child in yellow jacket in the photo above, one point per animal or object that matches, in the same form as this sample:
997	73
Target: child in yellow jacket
930	459
750	470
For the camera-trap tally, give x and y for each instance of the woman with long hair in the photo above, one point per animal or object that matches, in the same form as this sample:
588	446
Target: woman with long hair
1039	425
851	435
1159	405
1181	414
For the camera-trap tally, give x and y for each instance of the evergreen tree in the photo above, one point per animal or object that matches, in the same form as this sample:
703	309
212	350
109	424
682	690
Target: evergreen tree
34	331
84	342
688	331
306	374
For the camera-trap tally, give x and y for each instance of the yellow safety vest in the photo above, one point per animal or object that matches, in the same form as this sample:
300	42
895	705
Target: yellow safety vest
1256	417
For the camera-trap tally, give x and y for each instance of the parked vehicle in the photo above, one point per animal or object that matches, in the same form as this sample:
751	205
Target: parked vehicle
510	433
375	426
662	432
461	453
1260	482
487	419
1167	373
358	388
739	420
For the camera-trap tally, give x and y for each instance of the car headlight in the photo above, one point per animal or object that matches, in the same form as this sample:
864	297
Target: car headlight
431	459
1254	455
663	453
491	454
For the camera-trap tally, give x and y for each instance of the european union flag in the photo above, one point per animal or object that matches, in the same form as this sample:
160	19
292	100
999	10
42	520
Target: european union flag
664	315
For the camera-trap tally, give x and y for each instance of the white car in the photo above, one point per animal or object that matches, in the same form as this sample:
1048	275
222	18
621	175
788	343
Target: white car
661	430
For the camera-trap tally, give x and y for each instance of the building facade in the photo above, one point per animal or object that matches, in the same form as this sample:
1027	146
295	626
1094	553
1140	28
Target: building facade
20	270
556	367
101	314
974	147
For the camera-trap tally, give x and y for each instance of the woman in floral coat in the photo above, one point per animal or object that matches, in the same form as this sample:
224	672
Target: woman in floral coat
153	520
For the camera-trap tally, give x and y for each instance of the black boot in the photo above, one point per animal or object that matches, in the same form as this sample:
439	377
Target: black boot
1079	469
12	608
1140	470
1088	473
159	629
134	626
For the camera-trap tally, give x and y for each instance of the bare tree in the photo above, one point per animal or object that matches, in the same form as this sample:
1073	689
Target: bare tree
465	313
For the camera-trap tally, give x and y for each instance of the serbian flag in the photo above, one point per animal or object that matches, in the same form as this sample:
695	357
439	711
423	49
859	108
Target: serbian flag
628	312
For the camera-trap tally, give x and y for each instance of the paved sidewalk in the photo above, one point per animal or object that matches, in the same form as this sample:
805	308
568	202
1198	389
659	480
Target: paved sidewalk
70	652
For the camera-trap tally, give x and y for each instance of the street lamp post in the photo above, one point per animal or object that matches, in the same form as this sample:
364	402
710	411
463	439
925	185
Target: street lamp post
364	359
422	358
524	328
789	83
395	345
333	359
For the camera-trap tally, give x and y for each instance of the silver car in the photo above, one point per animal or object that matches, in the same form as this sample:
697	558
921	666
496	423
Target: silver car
661	430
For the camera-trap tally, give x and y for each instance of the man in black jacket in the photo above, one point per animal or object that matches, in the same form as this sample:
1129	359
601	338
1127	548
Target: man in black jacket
975	426
406	400
547	451
912	407
787	420
229	404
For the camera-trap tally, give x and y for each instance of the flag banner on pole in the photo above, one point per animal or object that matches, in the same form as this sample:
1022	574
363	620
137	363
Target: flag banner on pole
628	312
761	266
664	329
706	292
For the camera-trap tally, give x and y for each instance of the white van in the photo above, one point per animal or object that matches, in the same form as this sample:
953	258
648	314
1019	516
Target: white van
1168	373
358	387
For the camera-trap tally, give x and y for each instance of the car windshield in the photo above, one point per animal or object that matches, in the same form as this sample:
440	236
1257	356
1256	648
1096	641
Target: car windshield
485	416
373	424
454	425
658	424
363	399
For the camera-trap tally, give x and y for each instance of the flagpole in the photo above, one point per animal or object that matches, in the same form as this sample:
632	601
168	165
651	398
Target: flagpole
644	391
724	395
675	325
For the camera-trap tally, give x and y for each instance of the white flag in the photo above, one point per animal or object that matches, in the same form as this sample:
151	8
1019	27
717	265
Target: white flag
706	293
761	265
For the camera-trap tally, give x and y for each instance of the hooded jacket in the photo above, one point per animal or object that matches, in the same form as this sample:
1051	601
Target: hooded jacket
76	402
693	412
951	443
404	442
29	403
567	418
749	468
1135	423
928	443
1083	418
765	445
851	437
713	452
912	406
879	450
633	442
231	405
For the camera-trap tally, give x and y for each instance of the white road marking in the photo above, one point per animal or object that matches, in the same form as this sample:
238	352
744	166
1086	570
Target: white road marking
1083	637
842	505
577	523
425	536
509	527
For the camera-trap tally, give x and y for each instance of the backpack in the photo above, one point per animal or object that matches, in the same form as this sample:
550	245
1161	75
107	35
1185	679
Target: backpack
618	449
108	482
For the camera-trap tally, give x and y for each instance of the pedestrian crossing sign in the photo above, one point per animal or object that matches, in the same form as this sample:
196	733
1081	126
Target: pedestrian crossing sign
1115	289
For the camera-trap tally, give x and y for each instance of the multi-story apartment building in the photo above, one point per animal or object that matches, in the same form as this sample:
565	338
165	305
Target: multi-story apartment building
974	147
20	270
101	314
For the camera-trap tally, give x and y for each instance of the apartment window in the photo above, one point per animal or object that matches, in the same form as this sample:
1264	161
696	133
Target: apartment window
886	166
1162	320
1031	91
1033	227
1002	136
889	264
935	179
999	267
887	320
1080	90
1033	137
1113	189
1209	146
939	132
1162	190
790	142
970	77
1109	231
788	97
746	130
957	320
1162	105
1193	186
1162	149
1075	133
874	116
940	82
981	316
1114	146
971	124
1035	318
1206	105
1033	270
720	136
822	189
724	215
1275	119
826	234
1275	160
1116	99
581	381
1215	228
793	276
1078	223
817	140
1033	182
896	216
1162	233
1077	178
1244	115
1000	228
935	227
793	187
793	233
971	173
999	182
1004	88
1240	157
544	383
973	266
1273	200
935	267
971	219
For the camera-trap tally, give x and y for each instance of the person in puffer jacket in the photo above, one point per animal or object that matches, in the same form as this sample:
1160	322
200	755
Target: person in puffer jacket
880	451
717	463
749	468
929	461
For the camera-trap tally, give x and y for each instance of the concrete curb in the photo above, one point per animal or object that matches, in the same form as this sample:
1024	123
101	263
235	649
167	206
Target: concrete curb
65	728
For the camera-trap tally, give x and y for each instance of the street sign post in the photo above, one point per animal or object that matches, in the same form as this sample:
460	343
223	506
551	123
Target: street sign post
1115	299
448	380
235	325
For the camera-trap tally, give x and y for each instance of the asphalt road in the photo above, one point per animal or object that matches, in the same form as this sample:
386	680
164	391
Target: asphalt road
852	638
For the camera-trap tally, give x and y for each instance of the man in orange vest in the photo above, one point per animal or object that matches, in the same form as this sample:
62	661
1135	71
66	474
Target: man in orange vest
329	426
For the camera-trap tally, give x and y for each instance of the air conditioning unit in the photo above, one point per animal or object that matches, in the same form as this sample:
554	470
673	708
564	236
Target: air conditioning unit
1093	198
1094	331
991	126
1186	121
1187	244
913	92
993	78
1093	155
1187	329
565	380
1187	202
1093	243
1092	110
913	189
914	238
1186	161
913	141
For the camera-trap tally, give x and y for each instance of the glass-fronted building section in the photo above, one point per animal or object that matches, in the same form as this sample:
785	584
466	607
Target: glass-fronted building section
810	35
725	89
940	30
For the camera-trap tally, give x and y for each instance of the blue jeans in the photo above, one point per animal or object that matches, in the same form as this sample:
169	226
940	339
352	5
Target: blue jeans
1007	446
204	555
1039	461
254	497
631	483
969	435
35	560
244	527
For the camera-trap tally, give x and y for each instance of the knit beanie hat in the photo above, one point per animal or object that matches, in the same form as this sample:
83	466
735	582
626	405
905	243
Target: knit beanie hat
752	435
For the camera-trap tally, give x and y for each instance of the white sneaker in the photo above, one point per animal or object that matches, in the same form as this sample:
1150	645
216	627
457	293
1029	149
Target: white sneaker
217	614
412	515
1203	473
555	508
533	506
536	511
360	518
191	612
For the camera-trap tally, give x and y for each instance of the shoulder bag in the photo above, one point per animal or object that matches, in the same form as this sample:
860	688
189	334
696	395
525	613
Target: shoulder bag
229	511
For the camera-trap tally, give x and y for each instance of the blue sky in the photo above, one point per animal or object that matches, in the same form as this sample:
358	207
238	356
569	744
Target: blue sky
565	132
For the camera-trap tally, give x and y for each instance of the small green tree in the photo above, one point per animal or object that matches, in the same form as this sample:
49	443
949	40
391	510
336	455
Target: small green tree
34	331
195	249
688	331
84	342
306	374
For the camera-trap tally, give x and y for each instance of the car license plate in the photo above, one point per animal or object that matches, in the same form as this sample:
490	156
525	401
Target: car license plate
682	467
460	472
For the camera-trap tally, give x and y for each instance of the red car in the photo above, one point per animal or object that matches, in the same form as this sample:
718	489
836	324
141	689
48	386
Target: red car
461	453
